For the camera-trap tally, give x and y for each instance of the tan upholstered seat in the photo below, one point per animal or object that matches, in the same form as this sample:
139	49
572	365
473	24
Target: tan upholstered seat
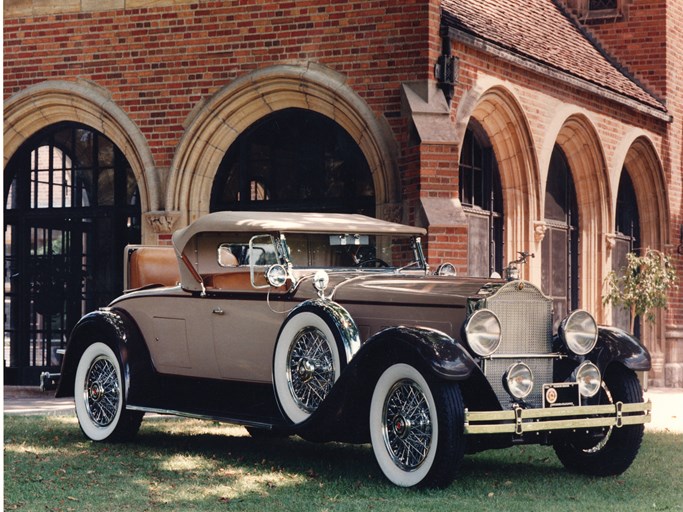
152	265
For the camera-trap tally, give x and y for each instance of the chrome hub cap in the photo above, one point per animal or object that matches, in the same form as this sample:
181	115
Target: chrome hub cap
102	392
407	428
401	427
310	369
306	370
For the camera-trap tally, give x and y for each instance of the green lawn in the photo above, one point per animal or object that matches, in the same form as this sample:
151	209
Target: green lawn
178	464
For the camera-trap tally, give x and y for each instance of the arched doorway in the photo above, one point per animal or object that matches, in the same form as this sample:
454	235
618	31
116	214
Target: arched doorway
71	206
294	160
560	247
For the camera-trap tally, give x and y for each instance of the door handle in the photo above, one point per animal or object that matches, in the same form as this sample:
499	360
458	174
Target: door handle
218	311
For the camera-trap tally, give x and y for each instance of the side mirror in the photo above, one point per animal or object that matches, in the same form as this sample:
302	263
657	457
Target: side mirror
276	275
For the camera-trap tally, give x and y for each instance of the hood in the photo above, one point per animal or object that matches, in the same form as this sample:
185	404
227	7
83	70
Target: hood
406	288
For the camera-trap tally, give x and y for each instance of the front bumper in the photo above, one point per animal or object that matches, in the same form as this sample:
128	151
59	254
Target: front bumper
520	421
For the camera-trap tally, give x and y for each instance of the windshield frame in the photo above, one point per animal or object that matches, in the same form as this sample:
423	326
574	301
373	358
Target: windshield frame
417	261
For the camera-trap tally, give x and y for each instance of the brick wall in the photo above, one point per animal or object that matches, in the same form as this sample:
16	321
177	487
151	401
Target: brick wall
159	62
638	39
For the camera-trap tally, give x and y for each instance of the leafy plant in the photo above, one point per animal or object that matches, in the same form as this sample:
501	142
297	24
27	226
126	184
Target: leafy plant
642	285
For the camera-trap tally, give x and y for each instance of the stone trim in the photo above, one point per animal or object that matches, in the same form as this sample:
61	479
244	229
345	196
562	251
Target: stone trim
47	103
495	107
24	8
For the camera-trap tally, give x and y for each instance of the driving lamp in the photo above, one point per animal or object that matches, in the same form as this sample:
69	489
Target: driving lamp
483	332
588	377
518	380
579	332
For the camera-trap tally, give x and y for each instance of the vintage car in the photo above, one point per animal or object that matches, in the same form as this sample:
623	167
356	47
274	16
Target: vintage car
333	327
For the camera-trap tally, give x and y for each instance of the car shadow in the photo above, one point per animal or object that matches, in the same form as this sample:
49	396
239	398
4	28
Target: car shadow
355	463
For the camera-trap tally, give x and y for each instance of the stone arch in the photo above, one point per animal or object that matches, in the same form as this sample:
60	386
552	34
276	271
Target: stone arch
214	125
47	103
636	155
581	145
501	115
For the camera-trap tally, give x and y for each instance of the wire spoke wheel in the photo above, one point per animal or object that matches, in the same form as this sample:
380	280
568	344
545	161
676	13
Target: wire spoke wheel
310	368
613	450
102	392
416	427
407	427
307	362
99	397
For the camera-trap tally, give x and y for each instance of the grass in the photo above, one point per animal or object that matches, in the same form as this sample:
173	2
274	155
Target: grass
180	464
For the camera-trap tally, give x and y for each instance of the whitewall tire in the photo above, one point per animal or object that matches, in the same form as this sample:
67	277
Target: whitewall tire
416	429
99	396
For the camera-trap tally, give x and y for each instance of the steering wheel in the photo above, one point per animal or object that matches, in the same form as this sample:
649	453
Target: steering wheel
373	262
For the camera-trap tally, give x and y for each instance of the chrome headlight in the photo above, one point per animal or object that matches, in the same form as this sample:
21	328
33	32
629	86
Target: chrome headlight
588	377
579	332
518	380
483	332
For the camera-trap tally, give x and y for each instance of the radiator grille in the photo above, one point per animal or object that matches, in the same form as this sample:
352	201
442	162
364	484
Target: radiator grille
525	315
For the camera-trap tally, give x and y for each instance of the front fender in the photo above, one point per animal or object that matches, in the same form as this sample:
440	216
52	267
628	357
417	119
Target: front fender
343	415
617	345
435	349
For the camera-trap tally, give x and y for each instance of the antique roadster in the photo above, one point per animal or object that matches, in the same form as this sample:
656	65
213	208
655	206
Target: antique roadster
333	327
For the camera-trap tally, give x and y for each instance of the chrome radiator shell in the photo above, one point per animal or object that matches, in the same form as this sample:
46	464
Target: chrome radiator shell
526	317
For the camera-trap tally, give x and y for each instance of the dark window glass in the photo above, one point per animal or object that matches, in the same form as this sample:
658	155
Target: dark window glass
482	199
600	5
560	246
294	160
627	240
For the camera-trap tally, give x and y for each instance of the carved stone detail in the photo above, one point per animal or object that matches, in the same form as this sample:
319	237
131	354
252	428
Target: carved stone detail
610	240
540	227
162	222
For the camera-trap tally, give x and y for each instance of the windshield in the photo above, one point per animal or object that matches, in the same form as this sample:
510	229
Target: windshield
353	251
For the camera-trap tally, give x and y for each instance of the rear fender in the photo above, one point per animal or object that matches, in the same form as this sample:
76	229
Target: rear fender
115	328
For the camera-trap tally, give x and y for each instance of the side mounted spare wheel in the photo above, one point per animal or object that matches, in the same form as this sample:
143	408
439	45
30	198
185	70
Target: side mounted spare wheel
99	397
314	345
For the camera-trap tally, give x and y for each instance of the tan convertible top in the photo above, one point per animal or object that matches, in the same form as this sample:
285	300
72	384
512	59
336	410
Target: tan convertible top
289	222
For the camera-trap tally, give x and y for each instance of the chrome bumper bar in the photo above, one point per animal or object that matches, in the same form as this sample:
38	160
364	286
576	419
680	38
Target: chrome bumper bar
519	421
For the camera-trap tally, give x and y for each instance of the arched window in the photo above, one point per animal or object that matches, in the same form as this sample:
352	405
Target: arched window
482	200
560	248
627	239
294	160
71	206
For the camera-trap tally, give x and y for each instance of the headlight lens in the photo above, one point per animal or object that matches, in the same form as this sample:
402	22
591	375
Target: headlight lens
483	332
589	379
579	331
518	380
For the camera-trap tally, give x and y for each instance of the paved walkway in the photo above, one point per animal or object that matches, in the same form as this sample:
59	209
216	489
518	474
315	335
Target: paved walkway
667	405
